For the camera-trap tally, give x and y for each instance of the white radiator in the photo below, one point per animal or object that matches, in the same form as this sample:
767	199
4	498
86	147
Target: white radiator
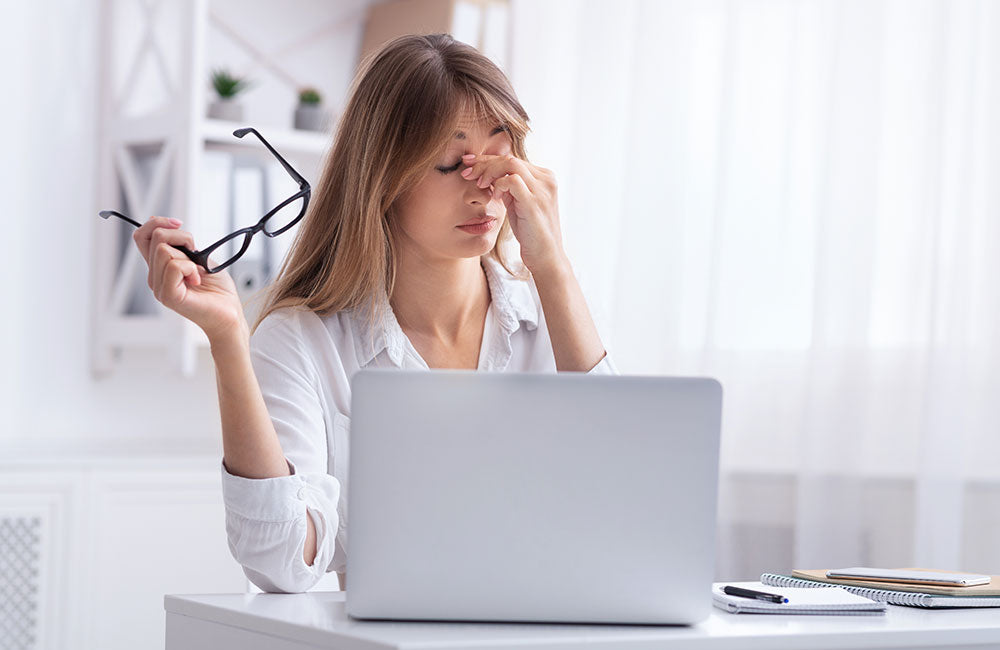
20	560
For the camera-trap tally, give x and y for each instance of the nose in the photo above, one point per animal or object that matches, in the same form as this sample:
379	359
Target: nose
478	195
485	199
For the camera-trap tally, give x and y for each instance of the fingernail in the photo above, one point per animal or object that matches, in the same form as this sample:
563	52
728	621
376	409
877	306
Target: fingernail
174	221
467	172
469	156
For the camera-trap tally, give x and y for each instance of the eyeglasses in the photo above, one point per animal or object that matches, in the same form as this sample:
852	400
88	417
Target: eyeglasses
282	217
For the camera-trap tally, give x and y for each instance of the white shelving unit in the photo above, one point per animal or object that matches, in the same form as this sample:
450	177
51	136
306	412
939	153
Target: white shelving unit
295	142
151	162
154	133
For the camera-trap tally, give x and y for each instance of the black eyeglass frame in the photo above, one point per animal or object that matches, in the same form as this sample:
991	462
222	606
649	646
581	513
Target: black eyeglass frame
200	257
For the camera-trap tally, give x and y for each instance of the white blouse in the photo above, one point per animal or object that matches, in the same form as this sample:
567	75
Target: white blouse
304	364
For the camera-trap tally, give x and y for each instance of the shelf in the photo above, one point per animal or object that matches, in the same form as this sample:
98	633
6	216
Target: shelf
288	142
154	135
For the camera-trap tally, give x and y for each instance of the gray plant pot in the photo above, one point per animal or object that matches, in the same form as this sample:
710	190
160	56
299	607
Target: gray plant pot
226	109
310	117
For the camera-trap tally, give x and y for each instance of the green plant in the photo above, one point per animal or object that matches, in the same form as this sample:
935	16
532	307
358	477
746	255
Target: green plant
309	96
227	85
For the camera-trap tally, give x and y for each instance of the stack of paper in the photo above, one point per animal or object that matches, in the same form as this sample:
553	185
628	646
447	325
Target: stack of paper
909	595
828	601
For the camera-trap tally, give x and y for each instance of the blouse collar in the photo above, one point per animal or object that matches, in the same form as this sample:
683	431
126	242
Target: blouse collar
512	300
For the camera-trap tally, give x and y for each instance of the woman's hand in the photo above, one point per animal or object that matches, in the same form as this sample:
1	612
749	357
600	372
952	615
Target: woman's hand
529	193
209	300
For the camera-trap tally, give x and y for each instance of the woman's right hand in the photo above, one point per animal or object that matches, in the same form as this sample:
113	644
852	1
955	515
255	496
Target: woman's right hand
209	300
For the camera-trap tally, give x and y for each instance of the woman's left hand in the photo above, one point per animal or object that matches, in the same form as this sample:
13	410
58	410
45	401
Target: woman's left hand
529	194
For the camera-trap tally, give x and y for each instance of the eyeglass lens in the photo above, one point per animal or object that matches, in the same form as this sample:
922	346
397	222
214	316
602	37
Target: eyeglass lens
229	250
284	216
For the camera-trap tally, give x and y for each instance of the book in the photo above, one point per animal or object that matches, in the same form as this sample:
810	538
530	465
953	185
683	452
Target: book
991	589
827	601
881	594
910	576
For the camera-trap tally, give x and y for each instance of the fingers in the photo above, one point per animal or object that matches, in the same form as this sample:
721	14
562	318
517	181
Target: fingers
515	186
143	235
161	257
172	291
172	236
487	169
158	259
164	240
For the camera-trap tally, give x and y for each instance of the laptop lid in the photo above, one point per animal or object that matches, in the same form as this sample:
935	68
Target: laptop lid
532	497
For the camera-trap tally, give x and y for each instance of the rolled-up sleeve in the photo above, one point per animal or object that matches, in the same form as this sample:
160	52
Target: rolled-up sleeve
266	518
604	367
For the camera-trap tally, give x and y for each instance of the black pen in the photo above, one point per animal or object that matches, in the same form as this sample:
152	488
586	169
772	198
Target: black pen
749	593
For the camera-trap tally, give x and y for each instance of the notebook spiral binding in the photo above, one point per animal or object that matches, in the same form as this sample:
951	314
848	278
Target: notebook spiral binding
909	598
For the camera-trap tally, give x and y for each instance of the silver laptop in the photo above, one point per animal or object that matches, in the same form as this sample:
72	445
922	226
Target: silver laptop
532	497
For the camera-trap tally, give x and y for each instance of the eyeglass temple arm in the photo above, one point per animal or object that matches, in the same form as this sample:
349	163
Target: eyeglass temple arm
192	255
104	214
239	133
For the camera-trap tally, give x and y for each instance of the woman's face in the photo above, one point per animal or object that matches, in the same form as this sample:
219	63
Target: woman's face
430	215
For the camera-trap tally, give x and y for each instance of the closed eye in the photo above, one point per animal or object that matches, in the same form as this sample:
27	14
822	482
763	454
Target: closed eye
448	170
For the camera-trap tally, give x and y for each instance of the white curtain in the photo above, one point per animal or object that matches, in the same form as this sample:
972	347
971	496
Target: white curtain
802	199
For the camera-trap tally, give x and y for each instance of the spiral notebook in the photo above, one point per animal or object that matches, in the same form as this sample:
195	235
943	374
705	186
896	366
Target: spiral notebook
831	601
907	598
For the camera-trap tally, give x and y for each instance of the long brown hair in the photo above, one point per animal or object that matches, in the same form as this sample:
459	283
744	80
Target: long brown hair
404	105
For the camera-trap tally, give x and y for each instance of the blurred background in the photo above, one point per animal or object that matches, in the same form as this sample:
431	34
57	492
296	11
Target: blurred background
797	197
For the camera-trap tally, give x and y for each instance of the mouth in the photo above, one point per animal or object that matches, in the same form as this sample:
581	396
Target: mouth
478	221
479	226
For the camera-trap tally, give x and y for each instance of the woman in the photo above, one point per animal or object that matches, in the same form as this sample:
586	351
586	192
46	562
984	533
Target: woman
384	272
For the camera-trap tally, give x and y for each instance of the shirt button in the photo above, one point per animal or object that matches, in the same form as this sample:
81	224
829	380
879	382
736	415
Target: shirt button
302	494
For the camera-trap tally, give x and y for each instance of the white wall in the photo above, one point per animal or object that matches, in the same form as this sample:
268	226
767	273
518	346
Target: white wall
54	402
122	472
50	76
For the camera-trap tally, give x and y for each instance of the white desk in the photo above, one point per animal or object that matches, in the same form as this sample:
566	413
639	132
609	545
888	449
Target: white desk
318	620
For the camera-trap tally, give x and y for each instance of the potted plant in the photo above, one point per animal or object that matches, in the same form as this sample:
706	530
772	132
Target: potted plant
227	87
309	114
